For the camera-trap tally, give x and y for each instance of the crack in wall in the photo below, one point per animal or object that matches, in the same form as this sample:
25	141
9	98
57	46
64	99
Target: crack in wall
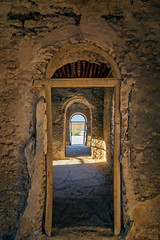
36	16
110	17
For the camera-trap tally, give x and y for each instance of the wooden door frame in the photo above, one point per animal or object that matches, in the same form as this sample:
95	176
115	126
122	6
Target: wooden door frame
82	82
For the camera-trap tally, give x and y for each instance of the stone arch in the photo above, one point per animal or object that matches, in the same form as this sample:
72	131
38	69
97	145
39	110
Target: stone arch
86	120
96	54
67	104
78	51
74	99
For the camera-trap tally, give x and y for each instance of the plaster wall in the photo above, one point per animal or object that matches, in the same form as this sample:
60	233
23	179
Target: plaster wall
32	33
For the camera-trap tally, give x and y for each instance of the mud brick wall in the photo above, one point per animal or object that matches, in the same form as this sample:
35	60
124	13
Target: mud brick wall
31	34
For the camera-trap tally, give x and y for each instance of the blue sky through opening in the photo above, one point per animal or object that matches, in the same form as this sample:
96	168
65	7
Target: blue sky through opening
77	118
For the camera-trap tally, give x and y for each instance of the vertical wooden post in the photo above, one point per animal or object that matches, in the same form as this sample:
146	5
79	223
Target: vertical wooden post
116	163
49	190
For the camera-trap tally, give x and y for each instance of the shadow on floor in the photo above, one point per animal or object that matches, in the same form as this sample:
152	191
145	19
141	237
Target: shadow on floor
82	194
77	151
86	212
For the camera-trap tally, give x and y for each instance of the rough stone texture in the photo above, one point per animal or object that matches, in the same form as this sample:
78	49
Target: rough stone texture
108	124
35	202
32	32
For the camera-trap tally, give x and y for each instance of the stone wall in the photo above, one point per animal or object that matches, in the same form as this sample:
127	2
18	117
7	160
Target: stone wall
33	32
108	125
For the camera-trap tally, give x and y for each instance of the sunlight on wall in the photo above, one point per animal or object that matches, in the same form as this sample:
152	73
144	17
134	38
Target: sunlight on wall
98	149
98	155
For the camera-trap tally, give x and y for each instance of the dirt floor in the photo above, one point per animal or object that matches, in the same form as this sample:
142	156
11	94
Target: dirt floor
82	199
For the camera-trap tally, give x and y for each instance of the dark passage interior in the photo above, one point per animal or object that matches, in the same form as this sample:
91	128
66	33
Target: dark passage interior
83	172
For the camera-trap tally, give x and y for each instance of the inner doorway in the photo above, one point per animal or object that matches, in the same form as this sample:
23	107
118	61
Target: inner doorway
78	144
78	122
82	183
78	129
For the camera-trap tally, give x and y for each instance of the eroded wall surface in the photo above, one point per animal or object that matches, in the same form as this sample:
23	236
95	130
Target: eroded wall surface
33	32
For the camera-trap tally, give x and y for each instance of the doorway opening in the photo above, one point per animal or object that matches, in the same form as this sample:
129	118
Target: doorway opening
83	178
108	75
78	144
78	123
78	129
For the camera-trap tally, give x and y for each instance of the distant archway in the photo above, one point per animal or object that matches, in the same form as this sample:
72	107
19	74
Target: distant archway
71	106
78	129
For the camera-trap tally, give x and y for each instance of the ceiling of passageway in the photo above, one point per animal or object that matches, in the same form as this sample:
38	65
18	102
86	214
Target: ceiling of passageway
83	69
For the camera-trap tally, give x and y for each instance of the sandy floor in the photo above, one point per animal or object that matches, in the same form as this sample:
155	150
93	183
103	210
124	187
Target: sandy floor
82	196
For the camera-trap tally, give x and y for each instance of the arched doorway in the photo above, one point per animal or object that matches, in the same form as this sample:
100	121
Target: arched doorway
78	129
74	53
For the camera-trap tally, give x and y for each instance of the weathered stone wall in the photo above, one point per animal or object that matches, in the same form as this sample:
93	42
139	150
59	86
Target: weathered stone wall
31	221
108	125
32	32
98	145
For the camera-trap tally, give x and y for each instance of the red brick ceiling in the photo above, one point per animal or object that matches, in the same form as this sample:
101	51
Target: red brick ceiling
83	69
